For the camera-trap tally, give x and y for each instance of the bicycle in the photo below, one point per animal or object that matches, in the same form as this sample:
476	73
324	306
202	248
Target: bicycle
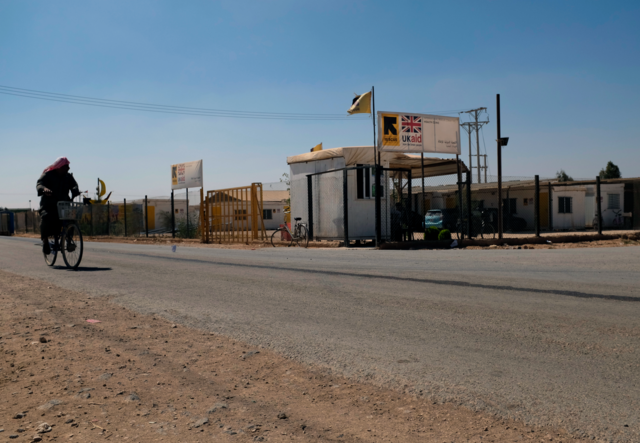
300	235
486	227
69	240
617	219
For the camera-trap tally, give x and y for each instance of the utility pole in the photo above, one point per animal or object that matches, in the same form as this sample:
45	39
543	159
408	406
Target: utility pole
467	127
500	227
476	125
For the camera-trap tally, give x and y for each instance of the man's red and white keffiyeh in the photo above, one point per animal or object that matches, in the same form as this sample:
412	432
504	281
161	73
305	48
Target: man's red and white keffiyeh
60	162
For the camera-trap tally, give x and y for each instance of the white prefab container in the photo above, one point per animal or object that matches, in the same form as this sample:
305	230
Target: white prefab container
568	207
329	209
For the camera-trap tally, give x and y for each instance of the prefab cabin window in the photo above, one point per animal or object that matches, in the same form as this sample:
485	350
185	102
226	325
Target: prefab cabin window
267	214
363	178
614	201
565	205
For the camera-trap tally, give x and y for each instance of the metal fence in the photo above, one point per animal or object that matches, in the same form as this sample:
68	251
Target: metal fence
113	219
27	222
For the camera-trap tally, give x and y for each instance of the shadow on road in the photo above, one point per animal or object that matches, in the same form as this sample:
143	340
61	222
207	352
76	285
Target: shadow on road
85	269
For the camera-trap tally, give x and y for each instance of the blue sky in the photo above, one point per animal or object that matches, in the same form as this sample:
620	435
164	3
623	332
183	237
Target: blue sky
568	74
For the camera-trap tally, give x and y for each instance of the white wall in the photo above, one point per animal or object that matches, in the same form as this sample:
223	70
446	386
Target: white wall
277	209
328	211
575	220
298	174
608	214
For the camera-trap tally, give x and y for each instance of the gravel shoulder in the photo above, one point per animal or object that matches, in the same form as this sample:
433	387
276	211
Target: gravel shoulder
142	378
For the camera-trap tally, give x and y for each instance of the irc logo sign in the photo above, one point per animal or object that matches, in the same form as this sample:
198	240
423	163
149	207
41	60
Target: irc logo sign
174	174
390	132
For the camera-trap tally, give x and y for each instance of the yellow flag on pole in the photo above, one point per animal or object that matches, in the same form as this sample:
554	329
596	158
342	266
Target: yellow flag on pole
361	104
317	148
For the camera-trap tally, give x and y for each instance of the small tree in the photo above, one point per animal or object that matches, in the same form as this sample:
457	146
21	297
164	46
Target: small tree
286	180
610	171
563	176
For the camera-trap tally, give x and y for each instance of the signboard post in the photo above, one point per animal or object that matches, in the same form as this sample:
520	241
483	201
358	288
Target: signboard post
409	132
185	176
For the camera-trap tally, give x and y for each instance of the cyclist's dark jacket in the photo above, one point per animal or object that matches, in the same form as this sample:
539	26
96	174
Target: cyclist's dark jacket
60	185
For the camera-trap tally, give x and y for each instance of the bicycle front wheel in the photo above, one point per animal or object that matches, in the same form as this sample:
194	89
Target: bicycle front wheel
279	237
50	259
72	246
488	231
302	239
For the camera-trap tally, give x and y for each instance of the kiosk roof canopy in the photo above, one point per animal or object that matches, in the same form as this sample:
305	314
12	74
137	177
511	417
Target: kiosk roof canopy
363	155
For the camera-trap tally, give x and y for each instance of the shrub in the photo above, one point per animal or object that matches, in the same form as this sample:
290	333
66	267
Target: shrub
431	234
445	234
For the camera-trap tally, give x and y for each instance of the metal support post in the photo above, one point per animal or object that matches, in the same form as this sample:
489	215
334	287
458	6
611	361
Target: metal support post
26	221
173	217
500	227
422	164
125	217
188	233
108	219
469	220
460	218
310	205
550	208
378	197
146	216
598	205
485	168
536	203
508	227
345	207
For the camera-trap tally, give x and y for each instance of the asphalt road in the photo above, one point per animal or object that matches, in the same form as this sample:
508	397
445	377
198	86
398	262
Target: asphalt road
546	336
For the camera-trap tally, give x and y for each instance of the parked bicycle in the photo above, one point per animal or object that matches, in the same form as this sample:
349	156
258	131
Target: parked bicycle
486	228
69	240
617	219
299	235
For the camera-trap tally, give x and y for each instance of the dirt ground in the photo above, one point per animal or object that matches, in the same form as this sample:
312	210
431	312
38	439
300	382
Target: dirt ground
132	377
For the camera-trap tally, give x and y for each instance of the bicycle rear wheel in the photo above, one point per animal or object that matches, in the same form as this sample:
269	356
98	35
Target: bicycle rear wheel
303	237
488	231
50	259
277	236
72	246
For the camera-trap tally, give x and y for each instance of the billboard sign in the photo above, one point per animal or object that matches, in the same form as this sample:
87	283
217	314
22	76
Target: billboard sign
410	132
186	175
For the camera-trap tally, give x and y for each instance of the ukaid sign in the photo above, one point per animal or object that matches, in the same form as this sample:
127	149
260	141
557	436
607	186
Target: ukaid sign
404	132
186	175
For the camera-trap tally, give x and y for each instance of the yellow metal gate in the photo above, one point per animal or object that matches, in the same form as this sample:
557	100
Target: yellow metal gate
232	215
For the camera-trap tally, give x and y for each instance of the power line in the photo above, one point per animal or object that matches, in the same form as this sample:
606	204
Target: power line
171	109
166	109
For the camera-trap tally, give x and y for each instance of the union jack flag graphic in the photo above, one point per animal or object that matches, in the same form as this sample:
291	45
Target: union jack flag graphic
412	123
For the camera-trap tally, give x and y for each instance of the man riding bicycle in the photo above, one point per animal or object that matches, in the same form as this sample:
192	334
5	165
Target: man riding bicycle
54	185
